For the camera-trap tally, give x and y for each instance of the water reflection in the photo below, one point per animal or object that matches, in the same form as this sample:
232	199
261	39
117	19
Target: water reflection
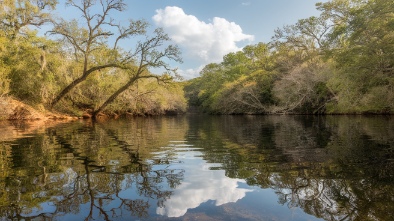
87	171
201	184
199	168
335	168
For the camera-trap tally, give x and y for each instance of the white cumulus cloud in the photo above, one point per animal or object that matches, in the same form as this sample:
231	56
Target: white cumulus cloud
191	72
203	42
201	184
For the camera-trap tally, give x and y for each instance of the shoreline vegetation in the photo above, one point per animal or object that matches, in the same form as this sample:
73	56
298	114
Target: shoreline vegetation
340	62
13	110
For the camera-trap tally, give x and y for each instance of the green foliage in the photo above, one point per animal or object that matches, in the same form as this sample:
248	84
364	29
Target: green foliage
242	83
32	69
248	94
303	89
365	57
142	98
149	98
17	15
41	71
4	69
339	62
26	68
191	90
86	41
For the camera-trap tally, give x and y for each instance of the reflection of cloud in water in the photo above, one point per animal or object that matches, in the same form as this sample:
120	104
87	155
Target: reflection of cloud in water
199	186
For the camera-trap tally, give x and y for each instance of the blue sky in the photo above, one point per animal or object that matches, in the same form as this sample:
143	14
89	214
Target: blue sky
206	30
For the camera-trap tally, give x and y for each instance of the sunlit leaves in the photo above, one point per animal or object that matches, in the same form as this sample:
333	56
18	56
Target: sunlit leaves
365	57
338	62
91	34
17	15
248	94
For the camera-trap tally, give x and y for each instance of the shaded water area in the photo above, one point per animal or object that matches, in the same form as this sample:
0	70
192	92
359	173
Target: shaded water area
198	167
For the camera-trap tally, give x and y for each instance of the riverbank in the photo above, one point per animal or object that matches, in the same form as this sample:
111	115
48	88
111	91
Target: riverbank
11	109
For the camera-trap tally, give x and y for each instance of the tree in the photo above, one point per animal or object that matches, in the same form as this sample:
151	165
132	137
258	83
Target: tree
242	83
249	82
211	80
302	70
34	68
4	70
251	94
22	70
17	15
148	54
363	52
148	97
303	89
94	36
307	35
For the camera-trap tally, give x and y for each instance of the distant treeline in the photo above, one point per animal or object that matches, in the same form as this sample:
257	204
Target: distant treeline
340	62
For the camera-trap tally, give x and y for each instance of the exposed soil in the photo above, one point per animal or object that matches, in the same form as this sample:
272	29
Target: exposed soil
11	109
18	119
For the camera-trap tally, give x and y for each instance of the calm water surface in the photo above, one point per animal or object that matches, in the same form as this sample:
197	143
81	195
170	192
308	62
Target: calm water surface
199	168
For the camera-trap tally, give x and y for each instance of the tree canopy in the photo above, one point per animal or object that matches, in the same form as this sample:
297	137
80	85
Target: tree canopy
338	62
80	65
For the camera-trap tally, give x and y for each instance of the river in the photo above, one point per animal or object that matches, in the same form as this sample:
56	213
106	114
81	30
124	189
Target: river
199	167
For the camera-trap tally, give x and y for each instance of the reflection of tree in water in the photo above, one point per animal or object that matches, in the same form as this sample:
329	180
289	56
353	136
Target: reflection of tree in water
335	168
99	190
89	168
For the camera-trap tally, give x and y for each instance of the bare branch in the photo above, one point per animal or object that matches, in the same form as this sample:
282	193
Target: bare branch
93	38
149	54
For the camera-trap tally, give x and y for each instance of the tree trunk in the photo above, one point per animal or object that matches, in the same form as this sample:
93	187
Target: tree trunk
79	80
66	90
114	96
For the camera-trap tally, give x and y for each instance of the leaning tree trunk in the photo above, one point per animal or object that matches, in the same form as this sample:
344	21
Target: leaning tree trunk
77	81
114	96
66	90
